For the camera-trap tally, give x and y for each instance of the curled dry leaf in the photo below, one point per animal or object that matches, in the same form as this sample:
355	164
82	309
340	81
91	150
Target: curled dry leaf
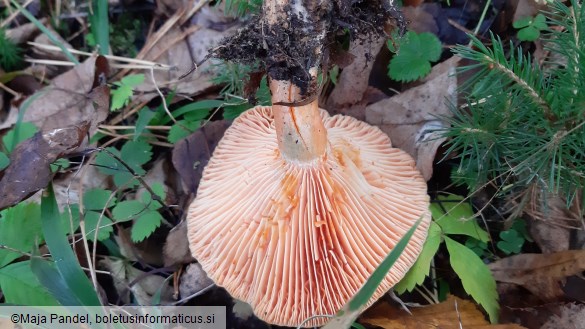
452	313
70	98
572	316
412	118
29	169
191	154
540	273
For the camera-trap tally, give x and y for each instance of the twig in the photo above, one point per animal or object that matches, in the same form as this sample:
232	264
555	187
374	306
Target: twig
109	127
162	97
14	13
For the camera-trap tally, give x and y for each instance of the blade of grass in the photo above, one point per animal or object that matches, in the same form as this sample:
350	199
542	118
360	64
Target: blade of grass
100	25
65	261
347	315
46	31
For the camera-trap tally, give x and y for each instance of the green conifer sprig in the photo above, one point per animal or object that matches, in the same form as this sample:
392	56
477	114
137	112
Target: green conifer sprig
524	124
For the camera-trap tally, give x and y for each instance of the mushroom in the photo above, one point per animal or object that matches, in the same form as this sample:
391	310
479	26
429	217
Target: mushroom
297	208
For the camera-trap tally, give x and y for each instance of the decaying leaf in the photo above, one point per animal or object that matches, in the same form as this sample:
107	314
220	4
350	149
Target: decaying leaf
540	273
412	118
29	169
176	248
70	99
572	316
352	83
454	313
193	280
191	154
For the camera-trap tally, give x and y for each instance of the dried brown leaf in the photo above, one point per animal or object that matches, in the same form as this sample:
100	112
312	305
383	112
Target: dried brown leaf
29	169
193	280
191	154
540	273
412	118
176	248
454	313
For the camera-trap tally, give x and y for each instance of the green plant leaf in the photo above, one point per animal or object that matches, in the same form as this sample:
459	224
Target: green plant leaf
478	247
145	115
18	134
100	26
420	270
350	311
333	74
91	219
60	164
66	222
20	286
475	276
128	210
4	161
413	59
50	279
198	110
511	242
106	164
145	225
146	198
136	153
96	199
20	228
455	216
539	22
182	129
528	33
65	261
125	90
522	22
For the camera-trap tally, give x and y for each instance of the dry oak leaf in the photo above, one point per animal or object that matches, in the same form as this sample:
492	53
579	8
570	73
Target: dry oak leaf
454	313
540	273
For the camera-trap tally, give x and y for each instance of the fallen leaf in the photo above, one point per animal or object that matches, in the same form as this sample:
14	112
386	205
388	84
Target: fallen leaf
191	154
420	19
24	32
540	273
352	83
193	280
176	249
70	99
29	169
412	119
572	316
454	313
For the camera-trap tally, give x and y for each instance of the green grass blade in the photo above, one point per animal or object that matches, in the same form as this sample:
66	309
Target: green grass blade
50	278
65	261
46	31
100	25
347	315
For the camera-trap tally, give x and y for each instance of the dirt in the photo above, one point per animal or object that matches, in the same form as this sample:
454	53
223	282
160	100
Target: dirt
289	49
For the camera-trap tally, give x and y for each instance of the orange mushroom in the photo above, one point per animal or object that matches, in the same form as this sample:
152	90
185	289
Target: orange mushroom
297	208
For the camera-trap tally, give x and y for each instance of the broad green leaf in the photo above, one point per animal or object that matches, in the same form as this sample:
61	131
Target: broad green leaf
455	216
182	129
106	164
475	276
420	270
4	161
20	286
145	115
51	280
70	221
146	198
122	94
132	80
65	261
233	111
539	22
528	33
18	134
347	315
20	228
145	225
414	55
96	199
91	219
511	242
60	164
522	22
136	153
128	210
198	110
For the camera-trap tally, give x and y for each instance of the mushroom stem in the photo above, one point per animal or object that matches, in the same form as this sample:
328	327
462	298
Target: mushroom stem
299	129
